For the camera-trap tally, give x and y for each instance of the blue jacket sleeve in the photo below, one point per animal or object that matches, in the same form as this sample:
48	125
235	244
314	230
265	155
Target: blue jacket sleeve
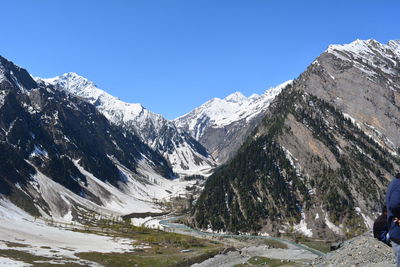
384	237
394	202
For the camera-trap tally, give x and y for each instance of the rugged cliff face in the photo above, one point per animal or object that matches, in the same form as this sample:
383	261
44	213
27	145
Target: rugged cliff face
362	80
59	154
313	165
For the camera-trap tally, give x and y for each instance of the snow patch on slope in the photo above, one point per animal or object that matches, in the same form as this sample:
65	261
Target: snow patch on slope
38	151
133	196
367	220
2	76
61	200
332	226
3	95
138	193
302	226
10	262
188	163
293	161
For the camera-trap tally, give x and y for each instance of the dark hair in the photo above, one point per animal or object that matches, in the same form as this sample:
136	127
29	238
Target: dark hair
397	175
384	208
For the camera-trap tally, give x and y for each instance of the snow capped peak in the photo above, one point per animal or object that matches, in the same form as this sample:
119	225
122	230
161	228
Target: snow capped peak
75	84
369	56
236	97
218	113
73	75
113	107
395	45
277	89
254	96
394	42
75	79
357	46
365	48
66	76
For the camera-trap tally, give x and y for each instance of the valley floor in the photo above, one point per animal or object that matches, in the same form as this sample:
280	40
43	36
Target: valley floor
249	250
29	241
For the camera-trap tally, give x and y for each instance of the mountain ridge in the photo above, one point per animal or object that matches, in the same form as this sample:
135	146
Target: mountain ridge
186	156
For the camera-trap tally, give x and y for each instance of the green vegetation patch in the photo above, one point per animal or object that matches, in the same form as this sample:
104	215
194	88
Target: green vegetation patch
322	246
15	245
35	260
21	256
160	257
150	247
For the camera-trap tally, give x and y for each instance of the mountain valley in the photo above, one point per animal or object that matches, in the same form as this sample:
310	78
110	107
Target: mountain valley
308	159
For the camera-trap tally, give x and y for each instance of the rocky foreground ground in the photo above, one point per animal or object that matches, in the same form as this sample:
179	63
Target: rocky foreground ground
363	250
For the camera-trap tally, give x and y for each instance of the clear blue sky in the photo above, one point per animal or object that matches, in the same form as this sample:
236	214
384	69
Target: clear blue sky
172	56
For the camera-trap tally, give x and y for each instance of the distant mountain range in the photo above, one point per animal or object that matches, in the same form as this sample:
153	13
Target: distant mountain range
221	125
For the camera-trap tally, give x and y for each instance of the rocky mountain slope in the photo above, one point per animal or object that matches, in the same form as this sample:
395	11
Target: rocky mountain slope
60	157
222	125
184	153
362	80
319	162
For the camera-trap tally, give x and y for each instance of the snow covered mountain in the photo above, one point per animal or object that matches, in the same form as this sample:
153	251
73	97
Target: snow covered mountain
221	125
321	159
184	153
60	157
